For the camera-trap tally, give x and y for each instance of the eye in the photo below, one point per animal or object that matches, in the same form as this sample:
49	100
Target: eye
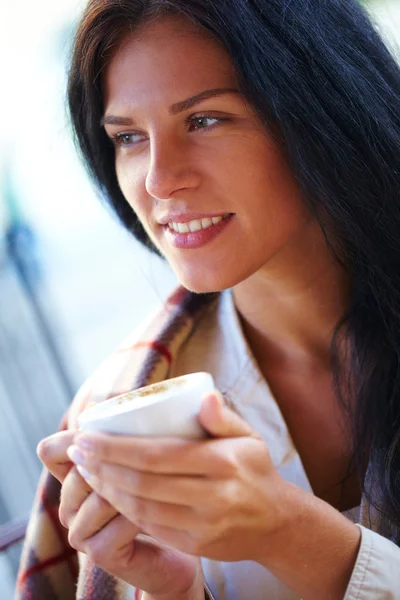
126	139
198	122
195	122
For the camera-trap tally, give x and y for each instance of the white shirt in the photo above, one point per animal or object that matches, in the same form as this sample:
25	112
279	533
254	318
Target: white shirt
217	345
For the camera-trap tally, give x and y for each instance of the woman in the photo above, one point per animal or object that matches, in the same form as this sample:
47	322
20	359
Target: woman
255	145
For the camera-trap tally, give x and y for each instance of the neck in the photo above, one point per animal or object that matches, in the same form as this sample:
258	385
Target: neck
290	307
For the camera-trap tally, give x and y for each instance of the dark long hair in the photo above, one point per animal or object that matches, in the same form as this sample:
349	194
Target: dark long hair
319	75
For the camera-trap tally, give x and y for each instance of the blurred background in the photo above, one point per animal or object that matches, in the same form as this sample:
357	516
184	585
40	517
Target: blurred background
73	283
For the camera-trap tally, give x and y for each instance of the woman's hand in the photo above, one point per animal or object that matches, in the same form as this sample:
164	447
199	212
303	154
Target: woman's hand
219	498
52	451
120	548
110	540
223	499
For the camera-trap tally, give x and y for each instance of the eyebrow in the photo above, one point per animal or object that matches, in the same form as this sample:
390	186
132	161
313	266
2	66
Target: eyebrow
176	108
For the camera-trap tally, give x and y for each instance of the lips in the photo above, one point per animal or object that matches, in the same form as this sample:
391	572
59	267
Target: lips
196	239
185	217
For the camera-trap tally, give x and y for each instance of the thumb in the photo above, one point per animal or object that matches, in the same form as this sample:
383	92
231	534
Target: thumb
219	420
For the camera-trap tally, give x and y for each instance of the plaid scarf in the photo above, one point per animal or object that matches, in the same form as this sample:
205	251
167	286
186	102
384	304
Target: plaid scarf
49	568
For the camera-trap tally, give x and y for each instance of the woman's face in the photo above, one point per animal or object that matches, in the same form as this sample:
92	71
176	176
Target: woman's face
180	161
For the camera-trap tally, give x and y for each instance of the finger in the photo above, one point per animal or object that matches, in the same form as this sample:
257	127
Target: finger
144	512
139	560
174	489
92	516
213	459
52	451
74	492
161	455
220	421
107	540
179	540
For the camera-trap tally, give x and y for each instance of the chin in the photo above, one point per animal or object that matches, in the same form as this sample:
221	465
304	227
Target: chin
200	287
212	272
205	283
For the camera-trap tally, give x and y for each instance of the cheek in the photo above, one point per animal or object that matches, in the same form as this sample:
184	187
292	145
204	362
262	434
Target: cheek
131	183
264	186
131	186
275	175
273	212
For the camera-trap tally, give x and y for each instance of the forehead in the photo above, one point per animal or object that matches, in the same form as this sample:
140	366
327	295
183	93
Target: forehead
168	57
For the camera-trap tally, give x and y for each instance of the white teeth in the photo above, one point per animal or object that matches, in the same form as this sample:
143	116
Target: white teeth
196	225
183	228
206	223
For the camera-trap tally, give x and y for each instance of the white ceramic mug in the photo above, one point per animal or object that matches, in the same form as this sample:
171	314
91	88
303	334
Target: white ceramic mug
168	408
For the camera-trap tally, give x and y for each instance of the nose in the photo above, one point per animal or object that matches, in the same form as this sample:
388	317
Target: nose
171	168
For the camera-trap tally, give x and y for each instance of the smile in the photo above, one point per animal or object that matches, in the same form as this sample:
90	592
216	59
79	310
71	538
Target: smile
196	225
198	233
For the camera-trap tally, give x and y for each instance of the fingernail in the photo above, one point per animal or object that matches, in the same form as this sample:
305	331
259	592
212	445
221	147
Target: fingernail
83	442
75	455
217	394
85	474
